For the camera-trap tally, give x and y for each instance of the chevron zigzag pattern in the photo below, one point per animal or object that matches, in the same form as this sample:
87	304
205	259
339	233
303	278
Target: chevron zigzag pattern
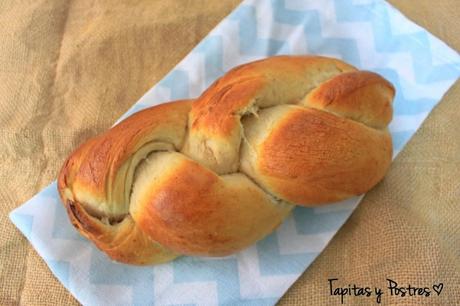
369	34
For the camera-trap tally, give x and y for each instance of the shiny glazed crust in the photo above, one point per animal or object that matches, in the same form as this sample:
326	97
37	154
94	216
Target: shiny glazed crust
212	176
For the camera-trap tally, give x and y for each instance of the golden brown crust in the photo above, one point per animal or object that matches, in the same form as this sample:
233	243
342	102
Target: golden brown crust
232	93
360	95
212	176
96	163
123	242
193	211
214	123
86	177
313	157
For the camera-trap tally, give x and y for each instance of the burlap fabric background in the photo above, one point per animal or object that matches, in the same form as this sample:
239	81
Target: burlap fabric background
69	69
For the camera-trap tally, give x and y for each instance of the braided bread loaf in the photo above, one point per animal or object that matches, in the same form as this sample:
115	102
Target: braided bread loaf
212	176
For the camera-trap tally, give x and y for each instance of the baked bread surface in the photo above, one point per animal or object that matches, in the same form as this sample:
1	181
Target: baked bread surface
212	176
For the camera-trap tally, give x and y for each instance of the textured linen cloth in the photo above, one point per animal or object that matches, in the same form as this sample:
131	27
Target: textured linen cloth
66	60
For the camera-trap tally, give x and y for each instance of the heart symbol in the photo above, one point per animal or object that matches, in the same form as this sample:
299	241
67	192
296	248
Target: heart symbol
438	288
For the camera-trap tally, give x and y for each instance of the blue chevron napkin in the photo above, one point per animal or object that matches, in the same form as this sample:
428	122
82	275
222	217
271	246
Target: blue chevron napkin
371	35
